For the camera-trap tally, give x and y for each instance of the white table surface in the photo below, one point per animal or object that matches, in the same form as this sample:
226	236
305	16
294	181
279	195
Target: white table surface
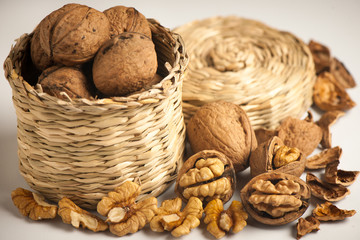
334	23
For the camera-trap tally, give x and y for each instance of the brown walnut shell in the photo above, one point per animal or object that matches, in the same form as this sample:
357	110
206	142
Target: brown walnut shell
225	127
125	64
274	197
70	35
127	19
72	81
261	160
214	189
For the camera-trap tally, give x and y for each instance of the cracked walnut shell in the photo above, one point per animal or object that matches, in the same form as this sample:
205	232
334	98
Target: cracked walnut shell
273	155
306	225
127	19
72	214
206	175
170	217
334	175
125	64
124	214
275	198
329	212
33	205
225	127
70	35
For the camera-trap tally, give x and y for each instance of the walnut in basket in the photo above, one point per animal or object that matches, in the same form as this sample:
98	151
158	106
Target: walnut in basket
70	35
127	19
125	64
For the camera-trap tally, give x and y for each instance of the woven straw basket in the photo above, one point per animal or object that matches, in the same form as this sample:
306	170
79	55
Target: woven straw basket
269	73
83	148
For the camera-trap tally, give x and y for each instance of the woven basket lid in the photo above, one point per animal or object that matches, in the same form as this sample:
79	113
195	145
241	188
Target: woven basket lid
270	73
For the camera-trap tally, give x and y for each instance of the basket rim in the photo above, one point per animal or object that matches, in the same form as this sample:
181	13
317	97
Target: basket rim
158	91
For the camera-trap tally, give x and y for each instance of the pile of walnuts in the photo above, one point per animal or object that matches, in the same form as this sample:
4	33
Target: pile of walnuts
85	53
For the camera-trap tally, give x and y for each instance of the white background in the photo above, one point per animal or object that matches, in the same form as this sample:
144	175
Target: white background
334	23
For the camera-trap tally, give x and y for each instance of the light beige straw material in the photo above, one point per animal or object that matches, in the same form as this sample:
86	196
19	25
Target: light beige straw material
83	148
269	73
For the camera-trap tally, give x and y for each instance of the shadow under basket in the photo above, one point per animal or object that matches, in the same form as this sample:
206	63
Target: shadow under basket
81	148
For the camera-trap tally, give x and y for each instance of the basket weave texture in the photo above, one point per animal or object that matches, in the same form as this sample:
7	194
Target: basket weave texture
83	148
269	73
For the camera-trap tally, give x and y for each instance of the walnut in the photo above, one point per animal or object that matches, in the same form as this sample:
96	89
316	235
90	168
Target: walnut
302	134
206	175
127	19
125	64
123	212
70	35
275	198
341	74
307	225
264	135
321	159
220	221
170	218
329	212
321	55
76	216
225	127
334	175
273	155
325	122
58	80
328	95
33	205
325	191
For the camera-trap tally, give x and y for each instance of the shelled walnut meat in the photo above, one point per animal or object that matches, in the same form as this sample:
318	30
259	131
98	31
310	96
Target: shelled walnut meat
207	175
123	212
127	19
33	205
225	127
70	35
70	80
273	155
275	198
125	64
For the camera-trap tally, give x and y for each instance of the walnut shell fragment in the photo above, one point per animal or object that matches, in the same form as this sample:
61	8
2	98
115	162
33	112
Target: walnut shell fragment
208	175
58	80
33	205
72	214
329	212
321	55
169	216
334	175
302	134
341	74
321	159
125	64
325	122
127	19
328	95
307	225
275	198
220	221
273	155
264	135
225	127
325	191
123	212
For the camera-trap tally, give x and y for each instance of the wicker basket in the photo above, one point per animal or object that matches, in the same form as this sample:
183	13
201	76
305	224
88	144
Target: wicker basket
270	73
83	148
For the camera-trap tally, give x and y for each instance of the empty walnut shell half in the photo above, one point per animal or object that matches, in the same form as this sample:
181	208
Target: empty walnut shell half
225	127
275	198
334	175
273	155
208	175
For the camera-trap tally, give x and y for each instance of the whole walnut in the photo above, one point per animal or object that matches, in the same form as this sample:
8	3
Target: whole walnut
70	80
70	35
127	19
225	127
125	64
